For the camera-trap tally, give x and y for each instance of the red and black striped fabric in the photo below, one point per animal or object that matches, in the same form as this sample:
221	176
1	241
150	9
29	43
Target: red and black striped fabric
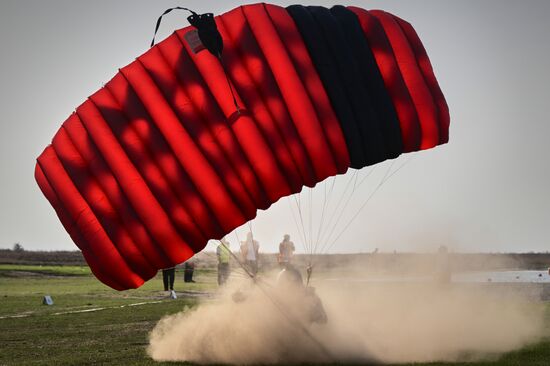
157	162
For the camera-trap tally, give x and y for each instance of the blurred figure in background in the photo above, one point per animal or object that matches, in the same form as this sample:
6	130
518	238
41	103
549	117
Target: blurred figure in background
249	252
286	251
223	253
168	277
188	270
442	266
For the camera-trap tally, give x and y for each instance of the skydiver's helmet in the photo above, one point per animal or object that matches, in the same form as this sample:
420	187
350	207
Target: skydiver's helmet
289	276
286	237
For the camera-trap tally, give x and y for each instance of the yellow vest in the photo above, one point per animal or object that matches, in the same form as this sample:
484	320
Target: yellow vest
223	254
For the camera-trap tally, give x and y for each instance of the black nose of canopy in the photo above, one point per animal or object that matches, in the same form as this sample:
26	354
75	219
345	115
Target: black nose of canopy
208	32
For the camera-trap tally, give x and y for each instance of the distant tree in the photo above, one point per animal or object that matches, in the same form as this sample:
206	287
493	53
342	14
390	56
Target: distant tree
18	248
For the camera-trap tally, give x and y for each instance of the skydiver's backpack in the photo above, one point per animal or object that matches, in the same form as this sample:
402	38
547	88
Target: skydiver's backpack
317	312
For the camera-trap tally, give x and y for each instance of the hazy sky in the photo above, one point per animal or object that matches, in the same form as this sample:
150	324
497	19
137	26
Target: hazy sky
487	190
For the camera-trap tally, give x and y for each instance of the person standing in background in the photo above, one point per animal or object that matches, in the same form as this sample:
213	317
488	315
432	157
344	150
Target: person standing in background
249	252
223	253
442	266
188	270
168	277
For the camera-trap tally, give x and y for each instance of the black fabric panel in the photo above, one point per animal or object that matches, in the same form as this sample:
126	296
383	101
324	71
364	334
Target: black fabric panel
349	72
326	66
372	80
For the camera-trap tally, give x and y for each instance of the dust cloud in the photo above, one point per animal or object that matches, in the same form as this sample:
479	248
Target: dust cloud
378	322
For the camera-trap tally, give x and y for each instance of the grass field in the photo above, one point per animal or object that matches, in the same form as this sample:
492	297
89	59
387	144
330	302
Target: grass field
92	324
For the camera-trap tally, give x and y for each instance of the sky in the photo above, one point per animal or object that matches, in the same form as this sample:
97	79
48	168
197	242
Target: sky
485	191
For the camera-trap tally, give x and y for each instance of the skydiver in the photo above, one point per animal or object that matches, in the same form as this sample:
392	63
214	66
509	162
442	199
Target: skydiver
289	277
291	283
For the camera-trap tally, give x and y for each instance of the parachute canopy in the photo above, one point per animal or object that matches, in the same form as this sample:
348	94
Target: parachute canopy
160	160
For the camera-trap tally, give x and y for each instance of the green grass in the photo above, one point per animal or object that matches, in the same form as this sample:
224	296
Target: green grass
23	294
11	270
52	335
118	334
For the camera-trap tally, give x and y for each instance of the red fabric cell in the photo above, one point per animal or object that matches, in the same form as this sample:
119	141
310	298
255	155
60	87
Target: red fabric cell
96	265
429	77
86	223
103	175
244	126
100	205
148	170
133	184
387	64
197	129
126	105
200	96
252	77
184	147
420	93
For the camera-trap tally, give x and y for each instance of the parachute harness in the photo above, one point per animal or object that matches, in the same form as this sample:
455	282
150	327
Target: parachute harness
210	37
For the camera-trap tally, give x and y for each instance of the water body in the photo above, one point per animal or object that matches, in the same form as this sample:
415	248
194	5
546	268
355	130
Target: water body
463	277
503	277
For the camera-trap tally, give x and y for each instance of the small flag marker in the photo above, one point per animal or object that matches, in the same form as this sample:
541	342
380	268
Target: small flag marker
47	300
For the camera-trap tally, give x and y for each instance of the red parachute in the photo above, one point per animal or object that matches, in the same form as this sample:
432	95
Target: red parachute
161	159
